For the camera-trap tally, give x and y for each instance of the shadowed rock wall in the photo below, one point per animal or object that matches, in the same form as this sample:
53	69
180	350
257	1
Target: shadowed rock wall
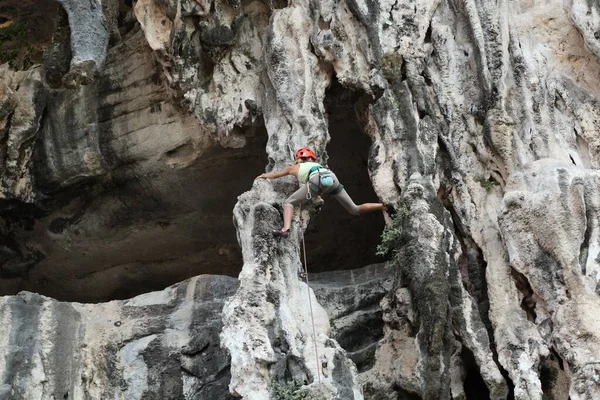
161	345
130	195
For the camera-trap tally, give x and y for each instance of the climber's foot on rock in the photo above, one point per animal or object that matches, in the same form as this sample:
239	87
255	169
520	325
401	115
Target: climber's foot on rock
281	233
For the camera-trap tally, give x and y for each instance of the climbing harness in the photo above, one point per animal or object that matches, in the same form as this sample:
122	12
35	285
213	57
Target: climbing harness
308	184
302	228
308	194
325	181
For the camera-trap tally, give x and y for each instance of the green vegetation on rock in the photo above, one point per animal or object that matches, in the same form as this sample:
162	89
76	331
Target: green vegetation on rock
487	183
289	390
393	235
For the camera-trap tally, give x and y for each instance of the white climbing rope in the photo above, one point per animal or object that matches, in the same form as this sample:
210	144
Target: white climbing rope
302	228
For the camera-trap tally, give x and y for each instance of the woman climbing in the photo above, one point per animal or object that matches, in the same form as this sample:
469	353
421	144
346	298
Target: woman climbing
315	180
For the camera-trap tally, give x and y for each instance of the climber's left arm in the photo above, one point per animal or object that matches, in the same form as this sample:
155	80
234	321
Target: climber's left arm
277	174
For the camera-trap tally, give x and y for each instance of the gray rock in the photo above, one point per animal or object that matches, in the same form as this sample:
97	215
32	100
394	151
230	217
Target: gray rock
351	299
483	126
160	345
91	24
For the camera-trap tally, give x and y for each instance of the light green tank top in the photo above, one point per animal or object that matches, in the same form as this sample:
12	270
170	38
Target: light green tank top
304	170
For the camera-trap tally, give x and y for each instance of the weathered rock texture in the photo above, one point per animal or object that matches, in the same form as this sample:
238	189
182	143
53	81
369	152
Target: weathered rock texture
113	189
351	299
78	49
111	214
483	120
161	345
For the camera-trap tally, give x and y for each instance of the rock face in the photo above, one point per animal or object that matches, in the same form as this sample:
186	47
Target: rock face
113	189
97	186
483	127
351	299
560	259
78	49
161	345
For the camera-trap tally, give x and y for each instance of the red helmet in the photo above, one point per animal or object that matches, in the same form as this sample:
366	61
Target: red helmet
305	152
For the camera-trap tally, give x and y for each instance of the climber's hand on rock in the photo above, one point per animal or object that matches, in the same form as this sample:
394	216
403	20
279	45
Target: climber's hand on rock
263	176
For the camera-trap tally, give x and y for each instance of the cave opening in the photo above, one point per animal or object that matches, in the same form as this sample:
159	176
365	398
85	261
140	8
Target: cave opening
157	215
554	379
136	231
147	223
337	240
474	385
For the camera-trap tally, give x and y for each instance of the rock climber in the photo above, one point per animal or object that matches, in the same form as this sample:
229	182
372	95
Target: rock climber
315	180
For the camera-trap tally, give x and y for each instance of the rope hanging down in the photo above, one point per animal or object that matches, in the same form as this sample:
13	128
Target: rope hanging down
302	228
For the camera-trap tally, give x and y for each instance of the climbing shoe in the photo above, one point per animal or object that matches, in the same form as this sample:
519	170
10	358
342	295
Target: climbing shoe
281	233
301	274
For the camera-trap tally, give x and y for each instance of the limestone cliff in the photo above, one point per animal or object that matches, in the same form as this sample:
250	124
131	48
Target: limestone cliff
126	153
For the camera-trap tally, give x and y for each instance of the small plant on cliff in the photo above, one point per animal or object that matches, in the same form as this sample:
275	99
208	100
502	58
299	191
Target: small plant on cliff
393	235
289	390
487	184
